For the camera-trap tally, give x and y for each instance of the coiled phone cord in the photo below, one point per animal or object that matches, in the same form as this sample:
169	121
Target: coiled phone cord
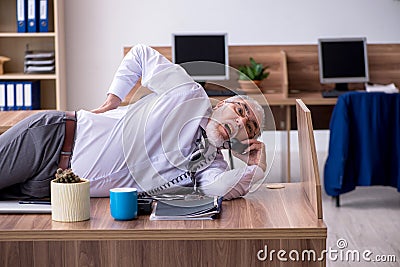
156	191
197	161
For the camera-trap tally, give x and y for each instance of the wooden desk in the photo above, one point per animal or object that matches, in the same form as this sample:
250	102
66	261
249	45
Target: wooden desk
278	218
268	219
309	98
9	118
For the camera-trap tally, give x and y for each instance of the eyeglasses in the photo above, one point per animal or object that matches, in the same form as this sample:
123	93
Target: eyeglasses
243	111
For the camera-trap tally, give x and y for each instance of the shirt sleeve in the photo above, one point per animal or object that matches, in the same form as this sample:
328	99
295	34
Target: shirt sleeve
140	62
219	180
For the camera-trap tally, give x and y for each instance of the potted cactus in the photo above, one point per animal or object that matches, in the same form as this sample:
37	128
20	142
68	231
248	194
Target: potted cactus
250	76
70	197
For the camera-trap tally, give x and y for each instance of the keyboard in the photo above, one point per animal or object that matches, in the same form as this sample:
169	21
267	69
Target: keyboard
333	93
221	93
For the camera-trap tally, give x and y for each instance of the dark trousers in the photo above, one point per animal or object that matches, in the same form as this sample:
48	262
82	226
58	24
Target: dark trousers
29	155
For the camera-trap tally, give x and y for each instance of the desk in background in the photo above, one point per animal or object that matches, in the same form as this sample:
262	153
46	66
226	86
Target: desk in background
10	118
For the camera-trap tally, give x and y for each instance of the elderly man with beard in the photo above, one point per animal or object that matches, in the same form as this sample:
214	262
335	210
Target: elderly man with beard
150	144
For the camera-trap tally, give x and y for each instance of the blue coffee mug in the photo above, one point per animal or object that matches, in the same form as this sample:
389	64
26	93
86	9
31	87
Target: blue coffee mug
123	203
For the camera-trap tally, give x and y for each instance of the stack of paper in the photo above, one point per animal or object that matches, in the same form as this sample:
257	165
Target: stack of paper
205	208
390	88
39	62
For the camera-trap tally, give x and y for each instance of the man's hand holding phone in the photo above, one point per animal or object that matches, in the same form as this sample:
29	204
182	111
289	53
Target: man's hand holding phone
254	154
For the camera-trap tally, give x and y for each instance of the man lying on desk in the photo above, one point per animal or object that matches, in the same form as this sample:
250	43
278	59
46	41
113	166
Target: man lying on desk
152	144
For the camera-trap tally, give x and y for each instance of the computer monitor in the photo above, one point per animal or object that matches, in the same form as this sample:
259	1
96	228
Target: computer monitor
343	61
199	54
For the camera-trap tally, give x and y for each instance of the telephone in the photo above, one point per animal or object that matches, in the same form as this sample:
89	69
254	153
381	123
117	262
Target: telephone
198	160
238	146
186	181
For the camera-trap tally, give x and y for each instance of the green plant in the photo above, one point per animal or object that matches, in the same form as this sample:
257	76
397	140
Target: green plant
255	71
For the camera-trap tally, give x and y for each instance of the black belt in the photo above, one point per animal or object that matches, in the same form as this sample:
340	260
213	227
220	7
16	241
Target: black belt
69	138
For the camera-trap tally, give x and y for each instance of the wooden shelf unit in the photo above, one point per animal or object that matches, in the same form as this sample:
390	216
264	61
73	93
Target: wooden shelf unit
13	45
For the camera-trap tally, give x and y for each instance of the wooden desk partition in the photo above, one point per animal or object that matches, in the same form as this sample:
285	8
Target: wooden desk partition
308	158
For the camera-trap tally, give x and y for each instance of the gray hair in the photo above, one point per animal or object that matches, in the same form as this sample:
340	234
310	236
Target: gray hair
257	109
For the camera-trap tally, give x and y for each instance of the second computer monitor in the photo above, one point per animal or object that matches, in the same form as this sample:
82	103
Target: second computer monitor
203	56
343	61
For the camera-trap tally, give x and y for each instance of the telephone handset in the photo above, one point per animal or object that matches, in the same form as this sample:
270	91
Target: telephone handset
238	146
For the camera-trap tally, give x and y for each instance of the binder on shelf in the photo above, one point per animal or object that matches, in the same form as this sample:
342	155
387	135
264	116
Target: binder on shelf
19	95
3	96
21	15
31	95
44	16
32	16
10	91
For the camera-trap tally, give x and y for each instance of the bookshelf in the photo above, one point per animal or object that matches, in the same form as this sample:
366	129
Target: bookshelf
13	45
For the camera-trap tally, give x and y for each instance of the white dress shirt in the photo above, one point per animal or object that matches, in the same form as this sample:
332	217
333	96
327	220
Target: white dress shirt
148	143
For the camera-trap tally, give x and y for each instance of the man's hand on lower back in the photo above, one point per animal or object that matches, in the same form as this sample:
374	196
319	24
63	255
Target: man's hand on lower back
112	102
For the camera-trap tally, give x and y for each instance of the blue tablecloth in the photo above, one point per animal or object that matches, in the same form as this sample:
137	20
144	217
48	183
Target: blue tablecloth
364	145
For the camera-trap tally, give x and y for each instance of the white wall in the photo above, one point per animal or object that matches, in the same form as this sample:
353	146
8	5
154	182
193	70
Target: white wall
97	30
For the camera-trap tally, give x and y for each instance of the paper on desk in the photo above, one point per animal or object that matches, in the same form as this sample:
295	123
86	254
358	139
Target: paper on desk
390	88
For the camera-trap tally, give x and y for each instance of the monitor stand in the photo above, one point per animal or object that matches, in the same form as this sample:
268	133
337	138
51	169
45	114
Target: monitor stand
202	83
218	92
340	89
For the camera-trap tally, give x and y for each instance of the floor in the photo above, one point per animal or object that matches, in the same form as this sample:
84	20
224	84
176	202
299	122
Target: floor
368	219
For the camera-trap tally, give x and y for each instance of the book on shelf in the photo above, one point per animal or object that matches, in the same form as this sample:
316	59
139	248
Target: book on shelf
31	95
10	91
32	15
21	16
202	208
3	96
19	95
44	16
